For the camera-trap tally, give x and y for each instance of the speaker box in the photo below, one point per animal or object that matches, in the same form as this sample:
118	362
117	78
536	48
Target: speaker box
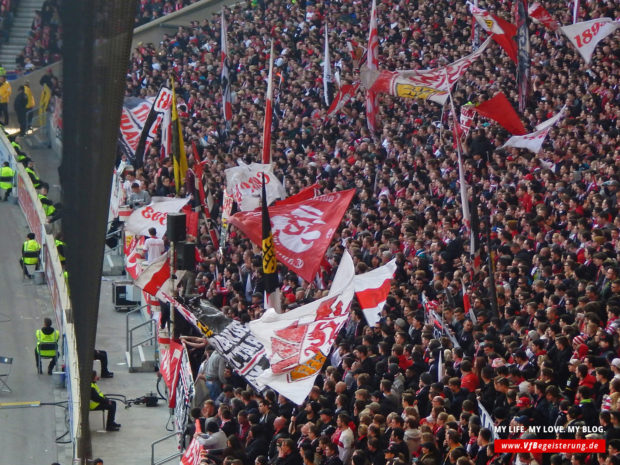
175	229
186	260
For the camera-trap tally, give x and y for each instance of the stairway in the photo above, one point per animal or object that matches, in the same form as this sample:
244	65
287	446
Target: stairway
19	33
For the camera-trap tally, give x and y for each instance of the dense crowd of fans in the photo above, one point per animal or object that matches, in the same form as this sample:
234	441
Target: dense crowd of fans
149	10
44	44
546	353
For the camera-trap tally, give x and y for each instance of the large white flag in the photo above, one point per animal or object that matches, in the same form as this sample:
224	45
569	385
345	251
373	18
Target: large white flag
534	140
244	183
372	289
587	34
298	342
154	215
155	277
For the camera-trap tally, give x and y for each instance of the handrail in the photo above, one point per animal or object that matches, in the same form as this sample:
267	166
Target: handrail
165	459
130	336
127	315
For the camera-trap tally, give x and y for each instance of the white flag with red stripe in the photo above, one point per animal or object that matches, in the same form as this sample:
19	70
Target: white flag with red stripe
372	289
155	278
534	140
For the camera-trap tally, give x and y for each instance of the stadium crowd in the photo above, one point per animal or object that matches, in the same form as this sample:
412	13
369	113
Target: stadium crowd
545	353
44	44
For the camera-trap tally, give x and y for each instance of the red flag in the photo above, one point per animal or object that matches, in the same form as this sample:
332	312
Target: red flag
132	253
305	194
169	367
372	62
268	111
191	221
204	203
301	231
343	96
500	110
501	30
539	15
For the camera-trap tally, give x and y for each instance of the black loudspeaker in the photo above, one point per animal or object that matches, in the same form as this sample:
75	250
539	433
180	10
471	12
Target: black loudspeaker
175	228
186	260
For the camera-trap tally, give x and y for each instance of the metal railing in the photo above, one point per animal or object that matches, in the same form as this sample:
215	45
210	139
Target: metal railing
130	336
165	459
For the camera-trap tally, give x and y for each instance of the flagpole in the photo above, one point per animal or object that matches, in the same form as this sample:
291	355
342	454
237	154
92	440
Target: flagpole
266	158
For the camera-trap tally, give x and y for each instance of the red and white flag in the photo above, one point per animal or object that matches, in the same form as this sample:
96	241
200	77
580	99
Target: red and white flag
155	276
586	35
133	254
268	112
432	84
500	110
342	97
154	215
372	289
466	119
244	183
534	140
539	15
298	342
191	456
501	30
372	63
301	231
225	79
169	366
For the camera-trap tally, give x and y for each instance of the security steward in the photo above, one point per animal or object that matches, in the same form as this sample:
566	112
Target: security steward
31	250
60	247
47	334
98	401
6	179
34	177
48	205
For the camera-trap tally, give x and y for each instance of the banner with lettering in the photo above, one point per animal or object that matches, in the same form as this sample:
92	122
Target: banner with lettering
586	35
298	342
184	392
133	117
244	183
153	215
433	84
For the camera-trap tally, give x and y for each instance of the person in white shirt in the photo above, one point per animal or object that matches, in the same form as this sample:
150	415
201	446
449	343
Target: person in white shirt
214	438
153	246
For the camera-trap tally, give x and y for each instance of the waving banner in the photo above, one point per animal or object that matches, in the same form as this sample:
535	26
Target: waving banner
372	289
154	215
539	15
133	116
586	35
342	97
244	183
523	55
499	109
301	231
161	105
501	31
534	140
298	342
432	84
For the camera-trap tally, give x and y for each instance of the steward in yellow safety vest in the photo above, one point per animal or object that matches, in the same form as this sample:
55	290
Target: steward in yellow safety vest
34	177
48	205
30	254
46	335
60	247
98	401
6	179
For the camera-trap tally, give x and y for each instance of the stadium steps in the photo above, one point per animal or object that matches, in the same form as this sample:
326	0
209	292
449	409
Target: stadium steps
19	32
